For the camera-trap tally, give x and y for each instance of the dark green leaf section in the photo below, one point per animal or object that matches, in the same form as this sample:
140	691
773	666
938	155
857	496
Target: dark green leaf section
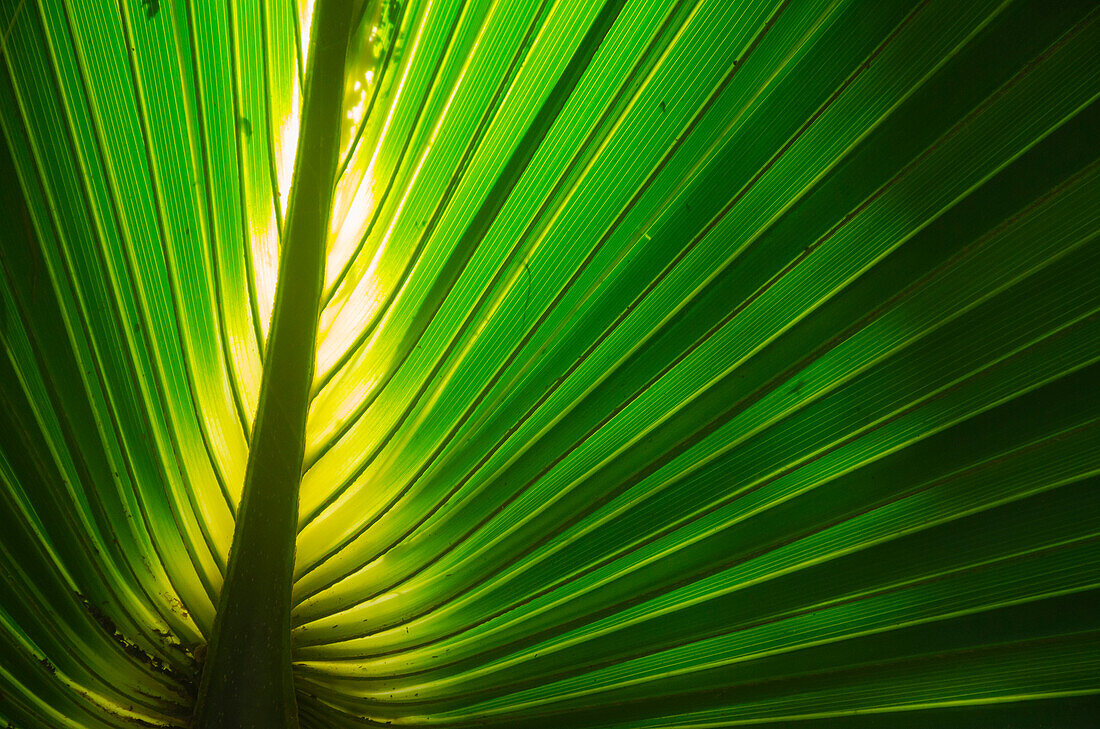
247	681
679	364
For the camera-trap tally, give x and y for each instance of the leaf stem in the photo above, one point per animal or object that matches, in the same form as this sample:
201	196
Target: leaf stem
247	679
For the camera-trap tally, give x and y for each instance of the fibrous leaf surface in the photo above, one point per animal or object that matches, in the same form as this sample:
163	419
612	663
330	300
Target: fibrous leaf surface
678	364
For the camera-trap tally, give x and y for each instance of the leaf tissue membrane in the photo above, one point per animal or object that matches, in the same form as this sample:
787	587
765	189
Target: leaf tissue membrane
620	364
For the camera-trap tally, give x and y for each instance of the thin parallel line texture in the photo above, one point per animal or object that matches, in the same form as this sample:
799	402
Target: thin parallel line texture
678	364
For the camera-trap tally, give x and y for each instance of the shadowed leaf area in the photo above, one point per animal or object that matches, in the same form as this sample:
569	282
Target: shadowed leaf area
549	364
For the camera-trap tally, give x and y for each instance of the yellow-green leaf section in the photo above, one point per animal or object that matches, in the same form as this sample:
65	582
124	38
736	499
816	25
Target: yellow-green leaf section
679	364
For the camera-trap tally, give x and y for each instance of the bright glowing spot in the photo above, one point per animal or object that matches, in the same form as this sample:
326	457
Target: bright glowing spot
288	148
306	22
355	222
341	325
351	400
352	228
356	113
265	265
342	322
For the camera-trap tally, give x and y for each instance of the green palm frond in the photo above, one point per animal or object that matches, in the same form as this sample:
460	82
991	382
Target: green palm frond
683	364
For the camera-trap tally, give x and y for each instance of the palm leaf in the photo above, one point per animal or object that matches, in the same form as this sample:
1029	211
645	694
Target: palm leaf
678	364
